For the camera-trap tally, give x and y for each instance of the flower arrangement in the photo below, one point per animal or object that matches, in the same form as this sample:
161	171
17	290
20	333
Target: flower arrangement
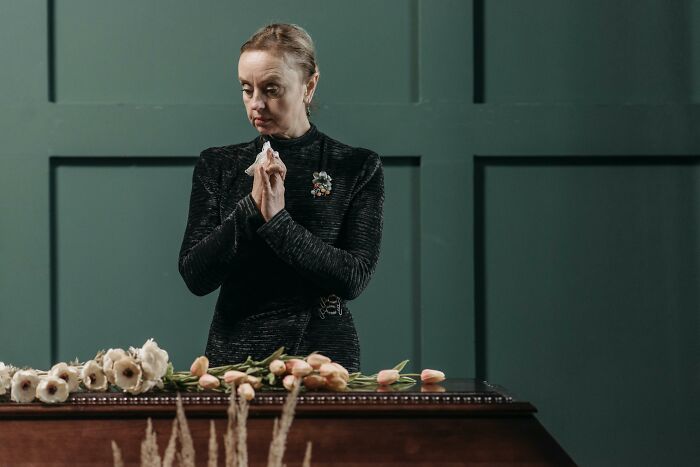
139	370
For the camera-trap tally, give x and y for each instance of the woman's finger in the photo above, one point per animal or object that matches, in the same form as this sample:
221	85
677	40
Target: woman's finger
277	167
278	182
266	180
273	169
260	174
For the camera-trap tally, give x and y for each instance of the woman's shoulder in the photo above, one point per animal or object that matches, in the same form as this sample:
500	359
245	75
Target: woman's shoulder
227	159
364	164
356	155
230	152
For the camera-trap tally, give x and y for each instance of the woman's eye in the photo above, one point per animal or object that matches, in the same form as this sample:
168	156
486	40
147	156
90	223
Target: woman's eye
273	91
247	91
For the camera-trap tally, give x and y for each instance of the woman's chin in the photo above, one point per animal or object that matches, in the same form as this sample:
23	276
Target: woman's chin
264	130
265	127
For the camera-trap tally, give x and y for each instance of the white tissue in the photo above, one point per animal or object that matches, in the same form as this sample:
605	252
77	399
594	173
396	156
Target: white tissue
260	158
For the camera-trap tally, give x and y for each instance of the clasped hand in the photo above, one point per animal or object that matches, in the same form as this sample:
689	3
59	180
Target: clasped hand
268	185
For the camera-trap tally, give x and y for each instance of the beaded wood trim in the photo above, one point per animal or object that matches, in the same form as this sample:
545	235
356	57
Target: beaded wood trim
304	399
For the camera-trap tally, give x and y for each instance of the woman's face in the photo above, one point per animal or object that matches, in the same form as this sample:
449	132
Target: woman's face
274	94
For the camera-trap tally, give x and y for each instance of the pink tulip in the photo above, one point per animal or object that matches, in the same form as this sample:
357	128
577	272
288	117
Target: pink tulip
316	360
290	381
328	369
314	381
246	391
277	367
208	381
386	377
199	366
432	376
344	373
385	389
336	383
291	363
301	369
235	377
431	388
254	381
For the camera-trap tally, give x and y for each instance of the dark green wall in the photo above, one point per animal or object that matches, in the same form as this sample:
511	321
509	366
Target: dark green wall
542	164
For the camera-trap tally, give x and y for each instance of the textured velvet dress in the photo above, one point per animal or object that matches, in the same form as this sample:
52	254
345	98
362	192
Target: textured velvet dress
285	282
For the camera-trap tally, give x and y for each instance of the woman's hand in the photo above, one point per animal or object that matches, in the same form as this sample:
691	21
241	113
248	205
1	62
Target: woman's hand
272	193
272	164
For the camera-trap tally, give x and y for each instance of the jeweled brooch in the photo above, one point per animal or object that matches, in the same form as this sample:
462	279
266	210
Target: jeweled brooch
322	184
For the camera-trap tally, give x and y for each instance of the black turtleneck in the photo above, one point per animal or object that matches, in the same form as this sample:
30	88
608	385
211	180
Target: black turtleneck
273	275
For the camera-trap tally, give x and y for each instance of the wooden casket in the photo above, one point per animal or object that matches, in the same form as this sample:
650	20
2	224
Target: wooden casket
458	422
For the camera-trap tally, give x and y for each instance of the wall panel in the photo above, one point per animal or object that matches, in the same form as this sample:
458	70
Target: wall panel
596	51
23	75
164	52
589	299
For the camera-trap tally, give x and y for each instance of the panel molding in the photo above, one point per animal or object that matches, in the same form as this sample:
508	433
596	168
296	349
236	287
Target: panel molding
481	163
56	162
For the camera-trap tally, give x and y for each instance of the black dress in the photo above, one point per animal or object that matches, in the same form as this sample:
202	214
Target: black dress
285	282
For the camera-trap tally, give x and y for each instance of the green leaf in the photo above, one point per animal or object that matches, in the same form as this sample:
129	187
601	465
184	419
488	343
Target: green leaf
400	366
274	356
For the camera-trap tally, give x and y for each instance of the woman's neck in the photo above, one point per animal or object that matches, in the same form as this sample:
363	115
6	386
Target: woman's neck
295	132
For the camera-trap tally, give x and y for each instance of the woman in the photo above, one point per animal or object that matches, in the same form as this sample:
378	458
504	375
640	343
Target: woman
292	244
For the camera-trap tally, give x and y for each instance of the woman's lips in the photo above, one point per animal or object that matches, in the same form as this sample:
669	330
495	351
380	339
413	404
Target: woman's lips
261	121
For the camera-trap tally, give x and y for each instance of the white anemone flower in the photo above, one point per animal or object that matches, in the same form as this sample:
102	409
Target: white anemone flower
52	389
93	377
128	375
24	384
145	385
5	379
110	357
67	373
154	360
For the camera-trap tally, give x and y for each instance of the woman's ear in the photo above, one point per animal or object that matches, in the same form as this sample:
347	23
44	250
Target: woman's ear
311	87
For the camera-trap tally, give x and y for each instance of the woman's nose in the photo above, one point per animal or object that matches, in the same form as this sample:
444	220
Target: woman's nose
257	101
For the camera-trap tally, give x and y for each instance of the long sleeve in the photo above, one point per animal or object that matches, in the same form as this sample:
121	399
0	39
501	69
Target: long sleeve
211	246
344	270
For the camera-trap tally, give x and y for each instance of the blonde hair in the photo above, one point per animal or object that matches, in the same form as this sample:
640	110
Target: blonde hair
288	40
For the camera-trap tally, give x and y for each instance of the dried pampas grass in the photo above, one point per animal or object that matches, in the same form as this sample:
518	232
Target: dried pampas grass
242	433
169	455
117	454
235	438
230	437
307	455
186	443
149	448
281	428
213	460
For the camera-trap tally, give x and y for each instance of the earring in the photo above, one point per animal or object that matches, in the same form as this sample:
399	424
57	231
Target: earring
307	104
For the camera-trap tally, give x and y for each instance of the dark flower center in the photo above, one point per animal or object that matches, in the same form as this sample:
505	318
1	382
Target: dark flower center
128	373
52	389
